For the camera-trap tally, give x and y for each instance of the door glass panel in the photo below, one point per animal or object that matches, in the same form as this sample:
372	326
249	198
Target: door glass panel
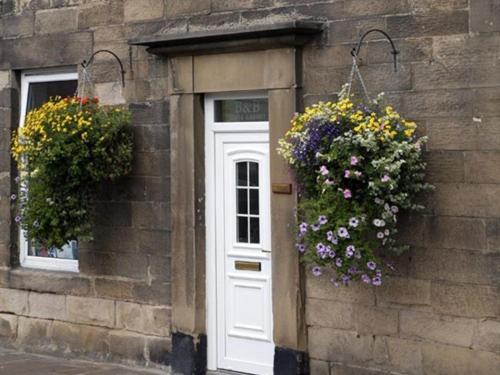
242	201
254	201
242	229
247	202
254	230
241	110
254	174
241	172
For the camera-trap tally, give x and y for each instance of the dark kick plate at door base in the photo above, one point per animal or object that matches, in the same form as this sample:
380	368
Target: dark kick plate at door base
247	266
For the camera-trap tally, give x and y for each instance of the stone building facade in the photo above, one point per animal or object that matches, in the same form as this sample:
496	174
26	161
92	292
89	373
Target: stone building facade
140	293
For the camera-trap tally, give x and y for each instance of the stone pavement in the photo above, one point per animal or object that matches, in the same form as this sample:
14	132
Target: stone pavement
16	363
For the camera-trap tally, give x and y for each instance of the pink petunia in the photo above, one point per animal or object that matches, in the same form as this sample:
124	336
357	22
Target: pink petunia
347	194
354	160
385	178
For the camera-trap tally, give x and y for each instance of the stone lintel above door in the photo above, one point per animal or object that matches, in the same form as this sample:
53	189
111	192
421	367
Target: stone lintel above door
235	39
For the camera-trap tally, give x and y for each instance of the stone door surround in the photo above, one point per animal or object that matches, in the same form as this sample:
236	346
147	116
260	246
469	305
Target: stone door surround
276	70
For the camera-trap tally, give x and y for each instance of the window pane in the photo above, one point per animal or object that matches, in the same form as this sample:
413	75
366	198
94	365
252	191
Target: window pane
254	174
242	174
242	201
40	92
68	251
242	234
241	110
254	201
254	230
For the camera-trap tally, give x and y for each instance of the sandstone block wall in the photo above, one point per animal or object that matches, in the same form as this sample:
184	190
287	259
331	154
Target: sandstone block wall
440	315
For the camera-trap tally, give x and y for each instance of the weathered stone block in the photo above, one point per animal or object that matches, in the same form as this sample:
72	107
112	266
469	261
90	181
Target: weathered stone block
465	300
95	14
25	53
227	5
115	264
442	23
485	16
317	287
144	10
456	134
438	103
154	112
404	355
152	320
50	282
159	350
179	7
55	21
469	200
110	93
116	289
17	26
376	320
349	31
319	367
8	327
128	346
153	164
487	336
33	333
338	345
445	166
404	291
447	330
5	77
150	215
455	232
80	339
47	306
445	359
92	311
486	102
493	237
481	167
325	313
488	134
13	301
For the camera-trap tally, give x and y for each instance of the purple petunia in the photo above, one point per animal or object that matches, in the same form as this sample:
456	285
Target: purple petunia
346	279
330	236
366	279
303	228
349	251
371	265
353	222
377	281
338	262
394	209
343	232
301	247
322	220
18	219
315	227
331	254
316	271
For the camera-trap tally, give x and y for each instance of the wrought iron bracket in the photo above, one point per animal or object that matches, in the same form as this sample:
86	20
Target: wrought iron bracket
86	63
355	51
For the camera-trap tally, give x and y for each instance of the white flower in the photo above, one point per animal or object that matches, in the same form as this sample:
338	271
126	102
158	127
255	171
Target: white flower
387	232
380	235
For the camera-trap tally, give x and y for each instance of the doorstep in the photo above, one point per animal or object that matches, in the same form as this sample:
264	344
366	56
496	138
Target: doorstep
19	363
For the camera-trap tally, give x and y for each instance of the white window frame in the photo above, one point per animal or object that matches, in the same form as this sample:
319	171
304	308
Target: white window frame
29	261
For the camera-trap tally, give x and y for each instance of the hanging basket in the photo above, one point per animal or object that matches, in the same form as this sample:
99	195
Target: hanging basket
358	164
65	150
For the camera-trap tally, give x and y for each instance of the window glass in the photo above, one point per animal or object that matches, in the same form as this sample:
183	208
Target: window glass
38	94
241	110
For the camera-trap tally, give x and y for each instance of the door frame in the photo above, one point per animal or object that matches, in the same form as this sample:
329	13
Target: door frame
211	129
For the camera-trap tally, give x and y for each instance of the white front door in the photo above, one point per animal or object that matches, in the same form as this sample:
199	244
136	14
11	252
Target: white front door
239	294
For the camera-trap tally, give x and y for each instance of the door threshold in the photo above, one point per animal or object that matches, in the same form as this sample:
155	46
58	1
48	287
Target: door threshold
225	372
